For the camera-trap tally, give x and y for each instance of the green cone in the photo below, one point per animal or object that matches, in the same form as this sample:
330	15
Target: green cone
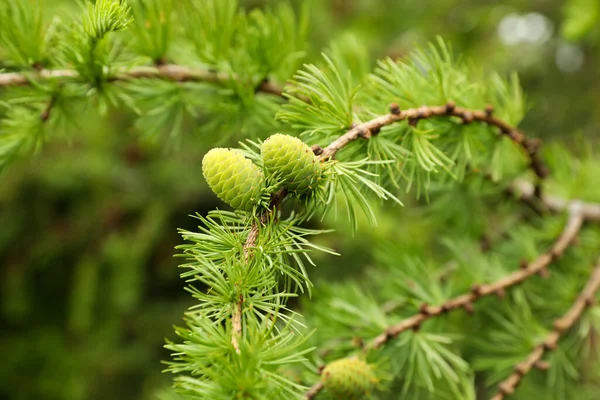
233	178
348	378
293	160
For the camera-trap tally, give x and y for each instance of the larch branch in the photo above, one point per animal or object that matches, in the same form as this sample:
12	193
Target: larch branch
177	73
314	391
466	300
561	325
367	129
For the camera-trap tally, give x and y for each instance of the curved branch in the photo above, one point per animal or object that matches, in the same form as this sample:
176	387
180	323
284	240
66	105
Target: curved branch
314	391
561	325
177	73
369	128
526	191
466	300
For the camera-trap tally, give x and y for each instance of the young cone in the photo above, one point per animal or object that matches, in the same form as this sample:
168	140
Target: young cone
293	160
233	178
348	378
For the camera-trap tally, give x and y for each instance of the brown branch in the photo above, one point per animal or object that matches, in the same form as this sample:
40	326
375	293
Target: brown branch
576	211
177	73
314	391
561	325
466	300
236	315
526	191
369	128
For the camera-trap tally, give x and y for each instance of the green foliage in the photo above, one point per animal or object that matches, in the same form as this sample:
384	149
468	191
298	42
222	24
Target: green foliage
22	34
581	16
85	44
264	320
320	101
153	25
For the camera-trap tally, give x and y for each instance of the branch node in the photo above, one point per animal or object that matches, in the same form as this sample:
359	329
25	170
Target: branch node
523	264
365	134
590	302
450	106
395	109
521	369
424	309
318	150
476	290
489	110
467	117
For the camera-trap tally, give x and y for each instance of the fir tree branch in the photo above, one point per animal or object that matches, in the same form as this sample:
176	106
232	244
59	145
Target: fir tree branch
314	391
466	300
178	73
367	129
413	115
561	325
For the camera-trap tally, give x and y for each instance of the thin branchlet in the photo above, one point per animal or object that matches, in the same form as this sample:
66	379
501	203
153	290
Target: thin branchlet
413	115
578	212
533	268
561	325
177	73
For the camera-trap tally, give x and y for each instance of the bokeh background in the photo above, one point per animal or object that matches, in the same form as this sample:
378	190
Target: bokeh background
89	287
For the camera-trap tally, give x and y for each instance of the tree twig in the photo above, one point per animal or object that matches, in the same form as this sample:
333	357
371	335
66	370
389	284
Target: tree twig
367	129
466	300
561	325
314	391
526	191
178	73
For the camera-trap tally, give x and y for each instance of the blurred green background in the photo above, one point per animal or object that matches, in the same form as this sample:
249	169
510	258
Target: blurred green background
89	286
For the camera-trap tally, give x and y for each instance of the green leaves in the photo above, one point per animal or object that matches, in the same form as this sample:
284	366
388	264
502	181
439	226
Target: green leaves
253	45
349	180
85	45
21	131
153	25
320	100
214	370
22	33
